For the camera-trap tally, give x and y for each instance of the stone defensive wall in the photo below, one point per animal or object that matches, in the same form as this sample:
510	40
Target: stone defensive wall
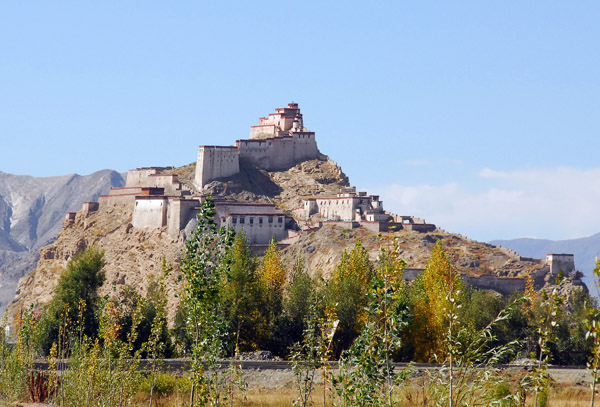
89	207
152	177
179	214
279	152
122	200
340	223
161	211
150	212
140	176
502	285
377	227
216	162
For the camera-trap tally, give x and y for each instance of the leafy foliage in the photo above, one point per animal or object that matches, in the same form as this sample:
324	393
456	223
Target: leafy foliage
79	282
242	296
431	302
367	375
205	266
346	293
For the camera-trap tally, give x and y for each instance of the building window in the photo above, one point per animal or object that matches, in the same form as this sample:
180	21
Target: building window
242	220
234	220
280	219
270	219
251	220
260	220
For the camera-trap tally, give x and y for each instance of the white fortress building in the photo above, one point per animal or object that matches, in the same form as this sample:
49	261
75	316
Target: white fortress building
351	209
279	141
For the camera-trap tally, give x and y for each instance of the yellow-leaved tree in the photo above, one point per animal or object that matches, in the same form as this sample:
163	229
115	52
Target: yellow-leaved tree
273	277
432	295
346	294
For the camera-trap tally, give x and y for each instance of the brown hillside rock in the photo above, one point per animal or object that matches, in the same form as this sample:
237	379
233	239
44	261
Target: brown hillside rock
323	248
133	257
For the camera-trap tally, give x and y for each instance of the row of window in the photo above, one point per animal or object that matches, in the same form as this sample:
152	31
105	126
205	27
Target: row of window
242	219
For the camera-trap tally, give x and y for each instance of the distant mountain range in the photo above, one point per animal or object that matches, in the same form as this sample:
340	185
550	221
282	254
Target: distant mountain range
31	212
585	250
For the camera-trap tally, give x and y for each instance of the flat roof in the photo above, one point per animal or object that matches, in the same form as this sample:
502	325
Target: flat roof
254	214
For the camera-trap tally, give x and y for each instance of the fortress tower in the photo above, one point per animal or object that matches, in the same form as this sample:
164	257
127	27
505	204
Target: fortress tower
278	124
216	162
278	142
560	262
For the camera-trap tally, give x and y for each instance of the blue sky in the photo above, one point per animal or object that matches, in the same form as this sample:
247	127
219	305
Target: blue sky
481	117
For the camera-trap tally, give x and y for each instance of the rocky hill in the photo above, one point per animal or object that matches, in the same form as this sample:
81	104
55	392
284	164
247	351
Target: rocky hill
585	249
31	212
134	256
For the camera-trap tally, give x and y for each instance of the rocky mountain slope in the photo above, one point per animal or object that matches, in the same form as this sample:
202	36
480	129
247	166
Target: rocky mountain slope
31	212
323	248
585	249
134	256
286	188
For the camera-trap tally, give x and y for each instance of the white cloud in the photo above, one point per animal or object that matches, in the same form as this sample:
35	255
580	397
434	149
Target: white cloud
414	163
555	203
489	173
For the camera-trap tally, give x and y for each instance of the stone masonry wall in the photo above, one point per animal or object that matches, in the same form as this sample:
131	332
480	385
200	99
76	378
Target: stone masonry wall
179	213
280	152
216	162
150	212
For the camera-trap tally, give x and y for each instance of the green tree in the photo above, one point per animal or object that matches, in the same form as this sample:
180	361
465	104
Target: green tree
79	281
366	376
243	294
300	290
204	267
346	293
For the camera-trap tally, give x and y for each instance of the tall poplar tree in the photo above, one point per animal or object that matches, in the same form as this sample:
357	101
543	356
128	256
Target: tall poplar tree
432	293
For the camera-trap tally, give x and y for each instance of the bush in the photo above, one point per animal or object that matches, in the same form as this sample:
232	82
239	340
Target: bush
164	384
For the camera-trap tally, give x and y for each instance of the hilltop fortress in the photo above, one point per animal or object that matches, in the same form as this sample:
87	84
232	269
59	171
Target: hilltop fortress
278	142
158	199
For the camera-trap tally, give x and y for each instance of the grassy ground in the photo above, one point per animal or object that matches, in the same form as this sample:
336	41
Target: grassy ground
276	389
560	396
